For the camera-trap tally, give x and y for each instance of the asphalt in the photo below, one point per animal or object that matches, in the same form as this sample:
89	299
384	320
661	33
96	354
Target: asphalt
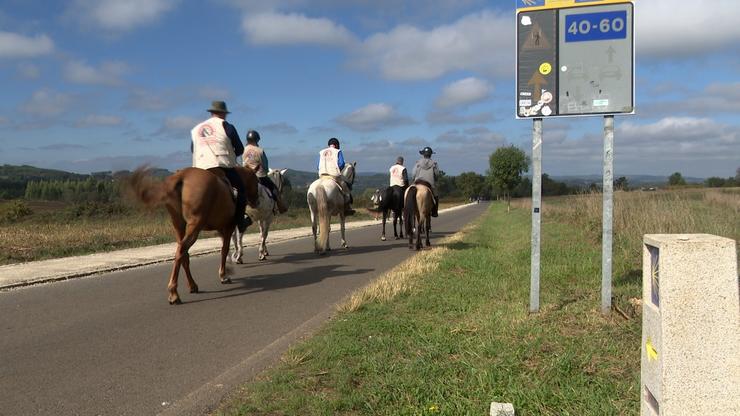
25	274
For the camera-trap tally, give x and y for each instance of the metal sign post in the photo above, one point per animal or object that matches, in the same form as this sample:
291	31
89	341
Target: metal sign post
574	58
534	286
608	204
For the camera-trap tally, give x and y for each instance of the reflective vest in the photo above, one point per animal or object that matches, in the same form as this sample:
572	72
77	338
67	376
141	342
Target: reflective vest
211	146
252	158
329	162
397	175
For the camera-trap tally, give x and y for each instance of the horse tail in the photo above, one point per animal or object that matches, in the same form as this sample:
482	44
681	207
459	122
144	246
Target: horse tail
409	209
153	193
322	203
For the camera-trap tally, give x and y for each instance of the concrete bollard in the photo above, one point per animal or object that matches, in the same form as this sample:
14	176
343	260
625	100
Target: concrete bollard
690	351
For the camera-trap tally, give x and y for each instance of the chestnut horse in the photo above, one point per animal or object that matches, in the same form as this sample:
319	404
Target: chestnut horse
197	200
417	209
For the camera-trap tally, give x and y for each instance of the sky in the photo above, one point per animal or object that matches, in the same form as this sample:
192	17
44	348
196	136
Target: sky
97	85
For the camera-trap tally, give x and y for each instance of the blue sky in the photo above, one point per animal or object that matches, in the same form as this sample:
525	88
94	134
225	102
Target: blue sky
92	85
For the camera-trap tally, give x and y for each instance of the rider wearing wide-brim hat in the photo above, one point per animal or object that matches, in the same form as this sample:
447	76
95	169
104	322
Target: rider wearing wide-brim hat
331	163
215	146
255	158
426	172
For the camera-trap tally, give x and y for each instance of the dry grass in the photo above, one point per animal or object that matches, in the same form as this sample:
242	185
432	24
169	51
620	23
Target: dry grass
402	278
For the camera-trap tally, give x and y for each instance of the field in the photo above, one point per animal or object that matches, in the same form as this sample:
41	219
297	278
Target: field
448	331
55	229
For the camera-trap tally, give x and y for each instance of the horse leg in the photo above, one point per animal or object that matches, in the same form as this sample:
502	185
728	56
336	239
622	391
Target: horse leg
419	229
313	230
267	231
186	266
236	257
382	235
225	241
262	255
341	228
428	228
182	258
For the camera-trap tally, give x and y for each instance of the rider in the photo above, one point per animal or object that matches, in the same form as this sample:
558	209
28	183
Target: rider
215	146
399	176
331	163
426	172
255	158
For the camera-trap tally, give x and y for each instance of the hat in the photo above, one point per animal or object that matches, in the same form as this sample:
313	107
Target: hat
399	159
218	107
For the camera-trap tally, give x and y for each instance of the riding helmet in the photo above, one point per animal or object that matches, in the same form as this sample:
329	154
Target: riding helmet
253	136
333	141
427	151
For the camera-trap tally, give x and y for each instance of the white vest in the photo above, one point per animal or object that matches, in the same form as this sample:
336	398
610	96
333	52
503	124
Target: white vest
252	158
397	175
329	162
211	146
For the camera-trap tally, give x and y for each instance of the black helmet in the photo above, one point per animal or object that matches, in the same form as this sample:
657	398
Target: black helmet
333	141
253	136
427	151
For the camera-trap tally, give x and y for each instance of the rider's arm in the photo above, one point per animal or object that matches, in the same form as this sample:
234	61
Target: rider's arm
405	175
435	171
340	160
234	138
265	166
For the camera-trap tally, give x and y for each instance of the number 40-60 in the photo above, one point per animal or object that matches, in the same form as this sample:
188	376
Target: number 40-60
584	26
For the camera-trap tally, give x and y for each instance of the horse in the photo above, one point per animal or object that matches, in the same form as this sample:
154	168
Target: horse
418	203
197	200
263	216
325	199
387	200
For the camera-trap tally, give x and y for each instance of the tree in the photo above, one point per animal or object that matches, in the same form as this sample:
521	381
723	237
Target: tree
676	179
506	166
621	183
715	182
470	184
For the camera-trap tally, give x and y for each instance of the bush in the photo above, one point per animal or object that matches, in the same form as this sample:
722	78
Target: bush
14	211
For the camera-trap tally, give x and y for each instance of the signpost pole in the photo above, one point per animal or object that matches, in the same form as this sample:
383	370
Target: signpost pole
534	291
607	220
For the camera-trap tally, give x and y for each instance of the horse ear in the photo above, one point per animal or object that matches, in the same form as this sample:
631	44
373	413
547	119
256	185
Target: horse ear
354	164
282	172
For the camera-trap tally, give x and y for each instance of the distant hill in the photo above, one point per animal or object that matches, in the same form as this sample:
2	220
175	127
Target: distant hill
302	179
13	179
632	180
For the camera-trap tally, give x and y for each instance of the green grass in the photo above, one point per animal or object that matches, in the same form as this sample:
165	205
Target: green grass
463	337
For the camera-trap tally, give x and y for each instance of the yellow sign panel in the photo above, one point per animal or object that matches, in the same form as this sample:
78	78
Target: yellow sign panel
529	5
545	68
652	353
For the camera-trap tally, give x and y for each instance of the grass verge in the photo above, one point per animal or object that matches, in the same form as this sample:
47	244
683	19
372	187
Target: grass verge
450	332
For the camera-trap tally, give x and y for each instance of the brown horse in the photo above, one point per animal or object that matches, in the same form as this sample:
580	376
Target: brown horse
417	209
197	200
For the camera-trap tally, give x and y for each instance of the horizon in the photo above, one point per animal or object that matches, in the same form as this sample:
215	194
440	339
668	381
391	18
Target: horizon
105	86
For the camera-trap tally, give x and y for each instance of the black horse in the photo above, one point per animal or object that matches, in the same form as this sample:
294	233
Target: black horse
391	199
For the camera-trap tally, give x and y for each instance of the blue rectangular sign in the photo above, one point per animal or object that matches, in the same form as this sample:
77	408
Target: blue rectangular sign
596	26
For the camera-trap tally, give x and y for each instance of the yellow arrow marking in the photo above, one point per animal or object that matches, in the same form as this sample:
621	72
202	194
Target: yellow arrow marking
652	353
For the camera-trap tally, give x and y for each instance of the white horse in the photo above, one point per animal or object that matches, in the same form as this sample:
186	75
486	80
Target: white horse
325	199
262	215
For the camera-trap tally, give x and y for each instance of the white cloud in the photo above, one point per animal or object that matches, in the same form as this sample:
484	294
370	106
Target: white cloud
436	117
47	103
373	117
101	120
271	28
278	128
181	123
477	42
118	15
464	92
13	45
664	29
109	73
27	70
694	146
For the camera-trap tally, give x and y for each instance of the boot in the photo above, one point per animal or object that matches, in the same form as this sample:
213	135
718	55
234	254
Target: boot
243	222
348	206
435	207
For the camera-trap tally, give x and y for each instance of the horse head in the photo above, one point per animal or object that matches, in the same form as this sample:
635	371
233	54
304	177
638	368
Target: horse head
277	177
376	197
349	173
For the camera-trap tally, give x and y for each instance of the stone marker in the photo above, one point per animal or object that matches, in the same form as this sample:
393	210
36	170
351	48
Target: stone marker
502	409
690	351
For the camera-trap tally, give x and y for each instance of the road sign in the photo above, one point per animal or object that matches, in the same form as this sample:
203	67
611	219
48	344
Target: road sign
574	58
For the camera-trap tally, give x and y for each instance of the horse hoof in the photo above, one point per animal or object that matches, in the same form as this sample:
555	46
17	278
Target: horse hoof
177	301
382	238
226	281
194	290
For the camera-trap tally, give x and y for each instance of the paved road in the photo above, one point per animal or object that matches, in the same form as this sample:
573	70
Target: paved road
111	344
